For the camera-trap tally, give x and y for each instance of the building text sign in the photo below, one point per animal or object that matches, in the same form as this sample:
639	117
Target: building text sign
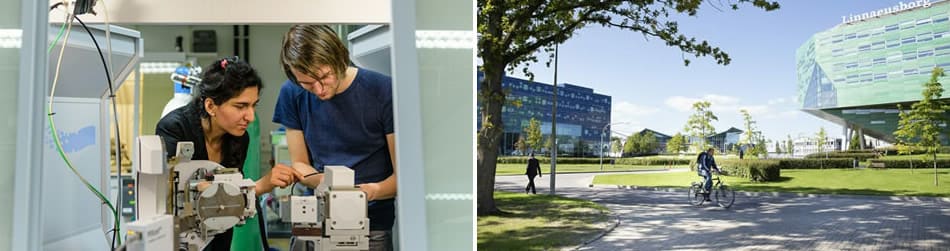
900	6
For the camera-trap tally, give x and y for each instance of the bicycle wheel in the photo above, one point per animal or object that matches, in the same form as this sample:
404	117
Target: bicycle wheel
725	196
695	195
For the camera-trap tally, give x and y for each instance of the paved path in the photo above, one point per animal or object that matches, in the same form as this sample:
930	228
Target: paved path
663	220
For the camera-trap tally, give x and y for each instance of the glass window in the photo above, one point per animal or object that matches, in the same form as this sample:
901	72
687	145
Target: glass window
909	40
892	27
923	21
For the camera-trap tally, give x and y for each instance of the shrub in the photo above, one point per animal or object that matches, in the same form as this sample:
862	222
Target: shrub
917	163
858	156
652	161
816	163
621	161
755	170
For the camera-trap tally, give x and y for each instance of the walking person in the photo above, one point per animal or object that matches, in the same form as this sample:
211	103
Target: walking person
534	169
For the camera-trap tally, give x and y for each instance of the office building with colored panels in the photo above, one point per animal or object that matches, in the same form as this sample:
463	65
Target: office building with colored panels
581	115
858	72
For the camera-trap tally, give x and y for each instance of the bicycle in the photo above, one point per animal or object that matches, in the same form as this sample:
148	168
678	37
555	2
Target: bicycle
725	196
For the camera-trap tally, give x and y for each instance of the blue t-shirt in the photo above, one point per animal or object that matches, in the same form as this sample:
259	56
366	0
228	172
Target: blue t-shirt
349	129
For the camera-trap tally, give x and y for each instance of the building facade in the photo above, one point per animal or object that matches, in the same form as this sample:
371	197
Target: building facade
582	115
808	145
858	72
723	141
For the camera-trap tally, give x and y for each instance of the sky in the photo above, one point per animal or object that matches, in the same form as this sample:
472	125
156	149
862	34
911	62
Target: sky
651	88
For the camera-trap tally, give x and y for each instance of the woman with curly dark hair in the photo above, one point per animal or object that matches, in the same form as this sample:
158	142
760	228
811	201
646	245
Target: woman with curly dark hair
216	121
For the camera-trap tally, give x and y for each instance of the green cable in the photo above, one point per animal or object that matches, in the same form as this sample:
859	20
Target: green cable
61	30
59	148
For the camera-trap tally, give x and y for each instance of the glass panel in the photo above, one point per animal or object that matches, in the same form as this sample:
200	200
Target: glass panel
10	42
445	40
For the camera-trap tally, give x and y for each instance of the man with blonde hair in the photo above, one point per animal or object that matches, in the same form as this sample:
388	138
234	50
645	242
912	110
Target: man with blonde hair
338	114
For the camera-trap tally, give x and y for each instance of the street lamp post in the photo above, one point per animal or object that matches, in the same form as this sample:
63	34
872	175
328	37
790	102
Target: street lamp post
602	143
554	127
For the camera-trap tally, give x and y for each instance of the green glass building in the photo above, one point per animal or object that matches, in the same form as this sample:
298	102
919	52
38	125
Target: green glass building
856	73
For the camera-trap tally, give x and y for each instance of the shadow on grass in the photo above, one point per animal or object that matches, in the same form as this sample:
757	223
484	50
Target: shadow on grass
539	222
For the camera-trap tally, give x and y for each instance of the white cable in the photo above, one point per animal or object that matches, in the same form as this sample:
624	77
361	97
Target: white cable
59	61
105	11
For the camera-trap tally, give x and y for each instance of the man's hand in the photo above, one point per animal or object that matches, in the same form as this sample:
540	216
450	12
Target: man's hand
282	175
370	189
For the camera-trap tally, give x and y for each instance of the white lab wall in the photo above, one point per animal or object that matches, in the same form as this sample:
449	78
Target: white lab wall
228	11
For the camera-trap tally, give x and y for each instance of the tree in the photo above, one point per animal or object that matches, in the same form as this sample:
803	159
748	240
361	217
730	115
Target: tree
855	143
616	144
821	137
920	126
761	147
510	32
778	147
676	143
521	146
534	134
648	143
749	128
790	145
699	125
633	144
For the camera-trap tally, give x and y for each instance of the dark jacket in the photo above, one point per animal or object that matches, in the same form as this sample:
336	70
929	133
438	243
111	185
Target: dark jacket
534	167
706	161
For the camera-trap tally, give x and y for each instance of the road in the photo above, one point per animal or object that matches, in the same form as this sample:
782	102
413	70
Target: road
663	220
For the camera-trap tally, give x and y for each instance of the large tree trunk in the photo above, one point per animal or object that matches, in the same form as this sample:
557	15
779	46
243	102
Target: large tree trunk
489	136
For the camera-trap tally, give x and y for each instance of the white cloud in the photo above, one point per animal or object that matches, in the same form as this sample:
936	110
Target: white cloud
630	115
718	103
625	109
720	100
681	103
776	101
756	110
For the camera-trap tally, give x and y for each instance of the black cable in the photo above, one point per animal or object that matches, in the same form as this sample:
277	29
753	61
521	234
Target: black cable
118	142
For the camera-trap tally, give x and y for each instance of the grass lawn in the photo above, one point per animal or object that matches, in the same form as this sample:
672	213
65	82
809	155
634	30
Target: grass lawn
519	169
539	222
829	181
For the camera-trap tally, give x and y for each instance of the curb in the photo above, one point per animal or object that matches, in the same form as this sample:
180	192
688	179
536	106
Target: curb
798	195
601	235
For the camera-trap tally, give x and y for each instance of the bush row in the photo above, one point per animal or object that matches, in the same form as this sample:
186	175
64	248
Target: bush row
858	156
619	161
754	170
916	163
890	150
816	163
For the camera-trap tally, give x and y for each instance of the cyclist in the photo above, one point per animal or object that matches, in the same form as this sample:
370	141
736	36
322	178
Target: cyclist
707	163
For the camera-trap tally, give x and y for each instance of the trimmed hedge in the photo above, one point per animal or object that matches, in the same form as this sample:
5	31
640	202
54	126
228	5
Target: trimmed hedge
755	170
620	161
816	163
890	150
917	163
858	156
652	161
